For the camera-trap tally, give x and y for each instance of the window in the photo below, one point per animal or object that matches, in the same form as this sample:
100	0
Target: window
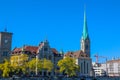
81	68
86	46
118	67
5	53
50	57
45	49
84	67
111	67
87	67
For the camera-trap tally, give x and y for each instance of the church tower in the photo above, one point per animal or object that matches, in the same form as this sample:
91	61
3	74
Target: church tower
85	41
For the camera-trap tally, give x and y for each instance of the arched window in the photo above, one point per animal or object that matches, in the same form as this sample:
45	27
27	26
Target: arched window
81	67
84	67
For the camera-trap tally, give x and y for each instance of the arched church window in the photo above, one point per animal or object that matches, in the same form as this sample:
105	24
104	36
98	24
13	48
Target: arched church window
84	67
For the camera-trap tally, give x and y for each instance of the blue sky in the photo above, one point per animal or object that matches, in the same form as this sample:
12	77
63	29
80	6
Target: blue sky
61	21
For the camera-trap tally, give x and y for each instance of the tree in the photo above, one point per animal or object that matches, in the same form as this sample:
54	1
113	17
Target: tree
68	66
32	64
47	65
41	64
19	63
5	68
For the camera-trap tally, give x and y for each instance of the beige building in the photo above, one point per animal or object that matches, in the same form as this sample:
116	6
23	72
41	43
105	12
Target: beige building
5	45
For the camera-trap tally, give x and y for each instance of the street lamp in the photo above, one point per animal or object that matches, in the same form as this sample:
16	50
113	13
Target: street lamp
36	65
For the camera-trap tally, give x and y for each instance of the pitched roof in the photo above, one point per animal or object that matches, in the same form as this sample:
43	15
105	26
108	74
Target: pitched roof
113	61
32	49
54	51
17	49
77	54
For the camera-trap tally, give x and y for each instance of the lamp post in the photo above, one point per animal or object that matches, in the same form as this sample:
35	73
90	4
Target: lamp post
36	65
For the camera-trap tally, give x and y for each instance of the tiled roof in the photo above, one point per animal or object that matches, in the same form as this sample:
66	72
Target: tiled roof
32	49
113	61
17	49
54	51
77	54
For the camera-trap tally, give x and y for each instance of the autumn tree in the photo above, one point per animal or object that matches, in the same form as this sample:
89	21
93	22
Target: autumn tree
42	64
47	64
32	64
19	63
68	66
5	68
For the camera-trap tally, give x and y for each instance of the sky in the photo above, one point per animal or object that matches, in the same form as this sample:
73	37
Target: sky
61	22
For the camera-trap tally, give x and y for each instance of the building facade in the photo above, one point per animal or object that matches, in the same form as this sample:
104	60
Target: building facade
45	51
113	67
42	51
5	45
99	69
83	56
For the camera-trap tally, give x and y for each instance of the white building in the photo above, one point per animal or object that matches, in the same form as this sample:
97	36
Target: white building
113	67
99	69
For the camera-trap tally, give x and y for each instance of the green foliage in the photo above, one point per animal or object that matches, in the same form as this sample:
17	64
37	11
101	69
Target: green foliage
23	67
20	64
5	68
41	64
48	65
69	66
33	63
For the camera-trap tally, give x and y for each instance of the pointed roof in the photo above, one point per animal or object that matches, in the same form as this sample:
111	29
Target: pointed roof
85	30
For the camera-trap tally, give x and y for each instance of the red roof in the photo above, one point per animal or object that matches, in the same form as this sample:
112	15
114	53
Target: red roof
77	54
17	49
32	49
54	51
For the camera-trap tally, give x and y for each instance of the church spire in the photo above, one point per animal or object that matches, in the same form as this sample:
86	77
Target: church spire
85	30
85	41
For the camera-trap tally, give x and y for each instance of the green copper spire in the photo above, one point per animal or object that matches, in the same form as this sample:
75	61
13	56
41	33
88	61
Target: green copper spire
85	31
